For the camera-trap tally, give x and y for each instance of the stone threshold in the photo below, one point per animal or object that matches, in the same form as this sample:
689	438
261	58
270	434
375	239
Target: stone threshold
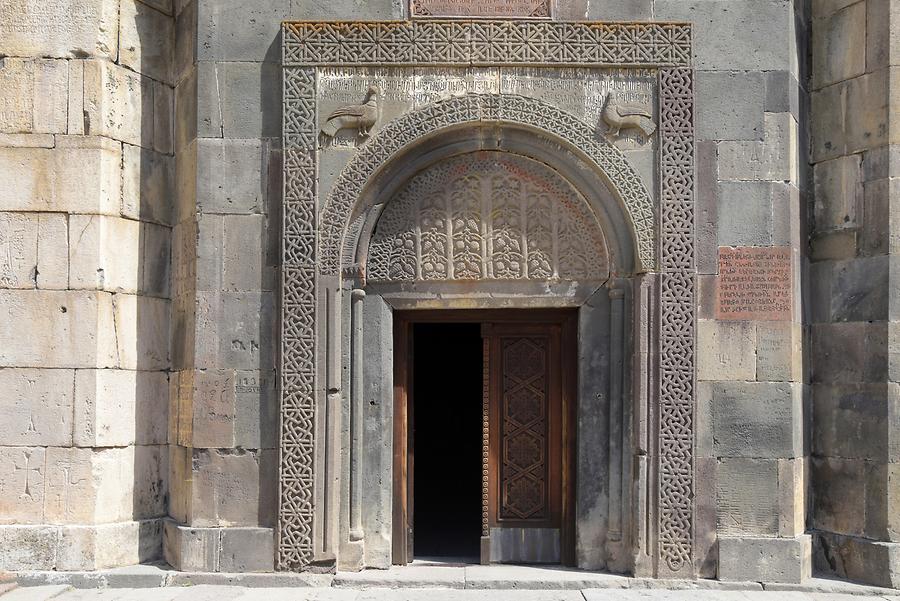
424	576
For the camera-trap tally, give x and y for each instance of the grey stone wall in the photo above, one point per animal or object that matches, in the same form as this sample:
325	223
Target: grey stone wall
86	144
852	301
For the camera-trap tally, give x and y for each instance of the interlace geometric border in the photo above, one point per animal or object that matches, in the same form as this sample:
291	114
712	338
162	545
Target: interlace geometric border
480	42
421	43
677	338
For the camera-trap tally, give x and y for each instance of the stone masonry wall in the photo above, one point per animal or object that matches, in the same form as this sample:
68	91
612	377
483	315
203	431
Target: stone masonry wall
855	486
86	174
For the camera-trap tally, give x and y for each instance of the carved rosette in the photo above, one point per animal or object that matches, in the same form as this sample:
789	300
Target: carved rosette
487	216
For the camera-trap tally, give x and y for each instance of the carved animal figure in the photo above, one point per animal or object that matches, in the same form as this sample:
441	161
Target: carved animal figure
619	115
356	116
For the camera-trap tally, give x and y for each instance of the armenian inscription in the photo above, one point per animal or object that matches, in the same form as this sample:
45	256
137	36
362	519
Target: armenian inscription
480	8
754	284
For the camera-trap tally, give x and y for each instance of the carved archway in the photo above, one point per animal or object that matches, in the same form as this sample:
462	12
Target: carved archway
509	109
487	215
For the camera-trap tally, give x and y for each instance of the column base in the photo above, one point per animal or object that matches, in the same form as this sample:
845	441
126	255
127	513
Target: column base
787	560
79	548
233	550
859	559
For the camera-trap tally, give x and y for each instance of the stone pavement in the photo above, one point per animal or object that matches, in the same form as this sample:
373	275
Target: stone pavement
237	593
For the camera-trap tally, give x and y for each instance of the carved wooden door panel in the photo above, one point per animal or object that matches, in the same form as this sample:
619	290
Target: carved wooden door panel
523	447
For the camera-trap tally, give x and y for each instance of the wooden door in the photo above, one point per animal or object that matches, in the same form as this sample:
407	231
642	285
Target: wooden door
524	489
528	431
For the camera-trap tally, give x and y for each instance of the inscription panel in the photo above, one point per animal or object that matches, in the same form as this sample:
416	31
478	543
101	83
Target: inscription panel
754	284
480	8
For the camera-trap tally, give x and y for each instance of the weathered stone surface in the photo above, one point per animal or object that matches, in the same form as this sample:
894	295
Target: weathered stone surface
725	350
858	559
225	488
232	326
779	352
120	407
53	251
765	559
730	105
757	419
118	103
247	264
240	183
37	406
148	185
243	32
28	547
755	283
838	193
33	96
104	253
219	549
142	332
747	497
774	158
212	409
745	214
18	238
109	545
840	50
62	28
22	475
77	329
80	175
256	410
849	117
843	353
146	40
234	103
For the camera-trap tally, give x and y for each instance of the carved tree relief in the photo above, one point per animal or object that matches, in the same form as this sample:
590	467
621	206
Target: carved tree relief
487	216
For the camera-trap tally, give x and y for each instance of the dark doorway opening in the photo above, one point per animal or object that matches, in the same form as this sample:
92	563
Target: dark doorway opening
446	438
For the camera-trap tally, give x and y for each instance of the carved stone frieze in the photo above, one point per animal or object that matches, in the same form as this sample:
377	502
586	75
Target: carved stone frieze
487	216
509	42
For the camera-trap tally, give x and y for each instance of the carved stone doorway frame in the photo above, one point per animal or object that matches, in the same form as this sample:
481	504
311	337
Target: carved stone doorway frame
664	436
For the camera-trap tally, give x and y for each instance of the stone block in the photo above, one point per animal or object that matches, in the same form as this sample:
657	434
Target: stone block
782	93
156	260
745	214
850	116
186	110
781	560
246	264
210	259
747	497
118	103
142	332
839	495
232	328
27	141
37	406
707	208
163	118
148	185
838	191
860	289
109	545
150	483
833	246
725	350
247	550
773	159
185	40
28	547
80	175
180	478
239	100
19	238
760	34
77	329
59	28
246	32
792	496
116	408
350	9
730	105
858	559
146	40
779	353
212	409
219	549
53	251
876	237
757	419
77	121
225	488
852	420
22	474
231	176
256	410
839	48
628	10
104	253
848	352
881	41
33	95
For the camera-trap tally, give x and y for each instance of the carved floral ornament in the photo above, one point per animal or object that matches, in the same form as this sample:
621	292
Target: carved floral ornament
311	245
